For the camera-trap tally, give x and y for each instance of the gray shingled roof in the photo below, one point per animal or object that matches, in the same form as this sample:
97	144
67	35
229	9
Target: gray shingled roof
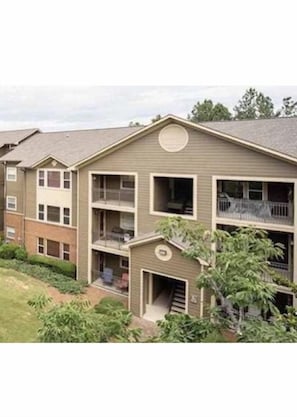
14	137
67	147
279	134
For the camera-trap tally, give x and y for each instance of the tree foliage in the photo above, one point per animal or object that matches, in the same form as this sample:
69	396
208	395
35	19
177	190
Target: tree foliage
289	108
233	272
254	105
207	111
156	118
77	322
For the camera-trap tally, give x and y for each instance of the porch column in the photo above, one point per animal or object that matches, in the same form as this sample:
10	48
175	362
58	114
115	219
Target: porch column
150	295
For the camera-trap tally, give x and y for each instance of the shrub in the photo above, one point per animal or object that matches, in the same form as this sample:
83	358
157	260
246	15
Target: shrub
113	308
21	254
63	283
8	250
183	328
62	267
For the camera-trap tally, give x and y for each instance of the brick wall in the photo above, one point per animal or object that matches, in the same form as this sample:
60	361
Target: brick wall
16	221
35	229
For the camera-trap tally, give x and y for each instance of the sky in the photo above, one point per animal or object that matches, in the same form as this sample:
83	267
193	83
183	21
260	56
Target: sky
53	108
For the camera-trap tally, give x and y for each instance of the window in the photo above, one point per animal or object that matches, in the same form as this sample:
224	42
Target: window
66	217
66	179
124	263
127	182
10	232
66	251
41	178
255	191
53	248
173	195
127	221
40	245
53	179
11	174
53	214
11	203
40	211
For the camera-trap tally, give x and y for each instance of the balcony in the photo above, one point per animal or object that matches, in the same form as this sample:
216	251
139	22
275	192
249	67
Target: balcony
281	269
261	211
115	286
115	239
113	197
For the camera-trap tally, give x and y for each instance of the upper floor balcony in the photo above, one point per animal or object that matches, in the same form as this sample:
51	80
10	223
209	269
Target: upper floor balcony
256	202
113	191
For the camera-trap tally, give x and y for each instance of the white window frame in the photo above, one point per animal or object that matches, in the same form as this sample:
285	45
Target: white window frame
45	214
66	216
14	200
177	175
41	211
41	245
62	180
11	176
10	232
65	251
124	259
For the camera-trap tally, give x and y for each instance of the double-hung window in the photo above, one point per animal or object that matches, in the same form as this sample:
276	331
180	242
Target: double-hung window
11	174
11	203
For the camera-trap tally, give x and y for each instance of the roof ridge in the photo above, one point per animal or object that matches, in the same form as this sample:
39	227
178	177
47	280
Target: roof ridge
88	130
247	120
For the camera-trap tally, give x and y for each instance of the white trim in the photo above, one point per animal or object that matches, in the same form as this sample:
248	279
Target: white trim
192	125
186	281
15	174
107	249
245	223
253	178
61	171
185	139
12	197
48	223
120	263
12	230
177	175
46	158
61	222
121	183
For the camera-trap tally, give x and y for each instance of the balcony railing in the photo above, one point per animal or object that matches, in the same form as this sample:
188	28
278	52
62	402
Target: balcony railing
113	240
113	197
281	269
255	210
115	285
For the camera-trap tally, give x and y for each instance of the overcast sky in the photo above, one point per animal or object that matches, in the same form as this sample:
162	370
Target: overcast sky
59	108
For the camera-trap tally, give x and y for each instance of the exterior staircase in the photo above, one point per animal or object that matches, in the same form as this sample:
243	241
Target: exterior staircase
178	303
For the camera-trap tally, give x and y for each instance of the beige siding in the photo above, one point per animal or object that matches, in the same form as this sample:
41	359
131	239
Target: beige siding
143	257
17	189
48	165
74	199
204	156
31	194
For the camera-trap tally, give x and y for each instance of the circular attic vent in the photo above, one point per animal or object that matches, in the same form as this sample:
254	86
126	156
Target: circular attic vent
173	138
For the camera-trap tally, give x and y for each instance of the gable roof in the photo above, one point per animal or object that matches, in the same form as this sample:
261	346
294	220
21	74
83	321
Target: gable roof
69	147
279	134
279	141
154	237
14	137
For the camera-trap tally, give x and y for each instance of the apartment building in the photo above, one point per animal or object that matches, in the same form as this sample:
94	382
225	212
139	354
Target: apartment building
95	197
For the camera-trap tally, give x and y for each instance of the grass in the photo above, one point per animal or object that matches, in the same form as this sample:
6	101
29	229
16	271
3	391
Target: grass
18	321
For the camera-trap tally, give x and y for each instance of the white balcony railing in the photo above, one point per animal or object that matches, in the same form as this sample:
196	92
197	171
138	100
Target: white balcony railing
255	210
113	240
281	269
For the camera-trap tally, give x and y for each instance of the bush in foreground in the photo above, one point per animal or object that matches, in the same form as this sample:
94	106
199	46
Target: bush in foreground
62	267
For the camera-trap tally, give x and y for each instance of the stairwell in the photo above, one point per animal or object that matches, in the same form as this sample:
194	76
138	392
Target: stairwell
178	303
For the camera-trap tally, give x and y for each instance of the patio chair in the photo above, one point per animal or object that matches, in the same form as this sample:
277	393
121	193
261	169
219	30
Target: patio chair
107	276
123	282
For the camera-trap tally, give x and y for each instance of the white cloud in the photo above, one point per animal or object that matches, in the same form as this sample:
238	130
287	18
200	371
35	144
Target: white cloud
64	107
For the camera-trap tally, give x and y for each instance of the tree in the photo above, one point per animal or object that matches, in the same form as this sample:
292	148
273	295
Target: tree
77	322
234	271
207	111
288	109
156	118
135	124
254	105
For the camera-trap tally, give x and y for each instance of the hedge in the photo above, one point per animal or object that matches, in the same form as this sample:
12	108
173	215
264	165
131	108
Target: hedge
61	267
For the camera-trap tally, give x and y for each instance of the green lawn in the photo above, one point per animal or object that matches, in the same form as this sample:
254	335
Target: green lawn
18	321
